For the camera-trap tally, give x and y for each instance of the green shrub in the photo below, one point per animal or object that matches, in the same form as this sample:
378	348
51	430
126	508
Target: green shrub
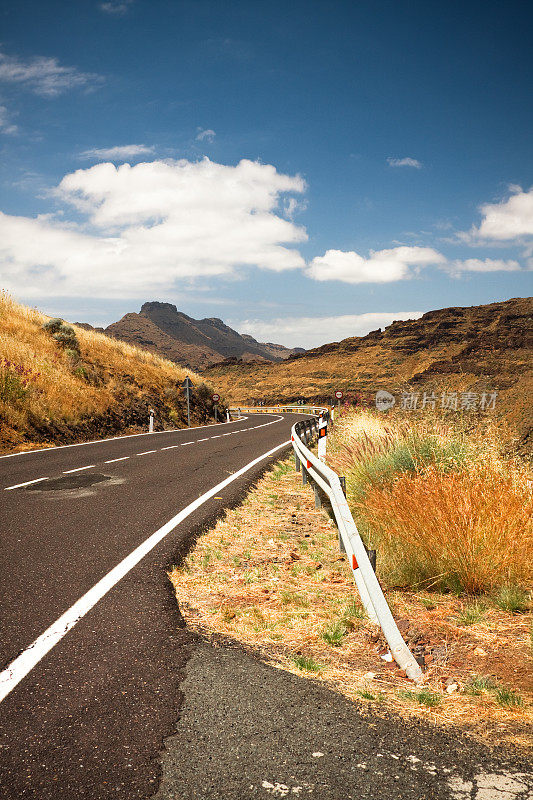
53	325
513	599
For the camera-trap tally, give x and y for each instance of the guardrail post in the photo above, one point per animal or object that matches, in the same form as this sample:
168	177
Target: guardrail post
318	499
304	475
296	462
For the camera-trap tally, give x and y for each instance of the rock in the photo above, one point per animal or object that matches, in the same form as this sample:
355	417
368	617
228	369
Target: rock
369	676
451	687
479	652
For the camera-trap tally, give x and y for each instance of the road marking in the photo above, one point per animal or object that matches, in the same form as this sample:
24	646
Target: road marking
115	438
217	436
112	460
184	443
78	469
203	440
226	434
171	447
29	658
146	452
28	483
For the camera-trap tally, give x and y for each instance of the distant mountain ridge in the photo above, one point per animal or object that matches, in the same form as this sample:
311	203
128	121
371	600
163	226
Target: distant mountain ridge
194	343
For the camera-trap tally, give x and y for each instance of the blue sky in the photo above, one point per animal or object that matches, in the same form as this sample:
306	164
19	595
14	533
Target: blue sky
366	160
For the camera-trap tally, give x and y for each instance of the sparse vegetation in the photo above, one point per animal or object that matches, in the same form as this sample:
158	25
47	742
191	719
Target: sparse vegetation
59	380
429	495
513	599
306	664
281	587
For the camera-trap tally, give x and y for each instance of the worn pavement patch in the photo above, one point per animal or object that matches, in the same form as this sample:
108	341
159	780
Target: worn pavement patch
248	730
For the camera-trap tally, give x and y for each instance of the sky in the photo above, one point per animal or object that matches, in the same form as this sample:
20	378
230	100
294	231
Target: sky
305	171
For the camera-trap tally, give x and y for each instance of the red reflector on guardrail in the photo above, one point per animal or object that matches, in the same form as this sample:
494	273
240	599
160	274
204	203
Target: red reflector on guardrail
355	565
308	464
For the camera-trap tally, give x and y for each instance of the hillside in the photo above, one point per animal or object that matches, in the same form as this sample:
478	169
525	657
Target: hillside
194	343
61	383
478	348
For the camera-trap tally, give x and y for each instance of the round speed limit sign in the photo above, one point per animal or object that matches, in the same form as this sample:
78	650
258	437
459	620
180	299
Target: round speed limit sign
215	398
339	395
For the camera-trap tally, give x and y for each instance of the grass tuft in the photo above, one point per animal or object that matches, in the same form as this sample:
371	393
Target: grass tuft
306	664
334	634
513	599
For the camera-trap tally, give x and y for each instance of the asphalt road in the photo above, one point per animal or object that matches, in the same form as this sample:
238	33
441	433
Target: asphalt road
128	704
88	719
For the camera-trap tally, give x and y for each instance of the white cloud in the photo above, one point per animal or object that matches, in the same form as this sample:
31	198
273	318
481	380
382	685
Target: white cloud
6	125
150	227
116	7
404	162
508	220
44	76
118	153
206	135
382	266
484	265
314	331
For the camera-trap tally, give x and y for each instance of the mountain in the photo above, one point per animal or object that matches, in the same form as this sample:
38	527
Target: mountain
194	343
478	349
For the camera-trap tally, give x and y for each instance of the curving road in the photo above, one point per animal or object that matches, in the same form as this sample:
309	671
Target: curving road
91	646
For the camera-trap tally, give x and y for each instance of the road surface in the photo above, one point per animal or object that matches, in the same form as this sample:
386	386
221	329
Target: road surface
106	695
88	719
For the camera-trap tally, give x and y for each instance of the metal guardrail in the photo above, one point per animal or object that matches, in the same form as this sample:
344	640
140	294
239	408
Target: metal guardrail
326	480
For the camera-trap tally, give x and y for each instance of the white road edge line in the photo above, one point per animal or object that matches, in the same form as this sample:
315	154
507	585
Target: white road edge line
114	439
18	485
78	469
29	658
112	460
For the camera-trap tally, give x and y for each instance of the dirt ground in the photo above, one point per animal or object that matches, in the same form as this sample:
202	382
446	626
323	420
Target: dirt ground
270	576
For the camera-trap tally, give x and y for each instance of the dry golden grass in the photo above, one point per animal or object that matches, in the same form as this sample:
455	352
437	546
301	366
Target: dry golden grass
472	528
269	575
114	371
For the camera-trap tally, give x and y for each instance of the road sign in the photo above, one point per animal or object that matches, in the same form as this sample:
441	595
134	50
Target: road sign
339	395
215	398
187	384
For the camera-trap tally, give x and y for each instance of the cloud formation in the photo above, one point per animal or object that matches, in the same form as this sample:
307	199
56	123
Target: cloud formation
205	135
116	7
44	76
484	265
118	153
508	220
382	266
6	125
313	331
151	226
404	162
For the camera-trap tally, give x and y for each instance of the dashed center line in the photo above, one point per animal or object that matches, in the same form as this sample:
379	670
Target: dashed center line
112	460
203	440
217	436
146	452
184	443
171	447
27	483
78	469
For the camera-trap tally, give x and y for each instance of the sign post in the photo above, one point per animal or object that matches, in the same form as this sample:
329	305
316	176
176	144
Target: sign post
187	385
151	425
322	437
215	398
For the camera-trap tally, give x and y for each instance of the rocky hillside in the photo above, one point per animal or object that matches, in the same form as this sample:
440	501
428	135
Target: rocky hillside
193	343
479	348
